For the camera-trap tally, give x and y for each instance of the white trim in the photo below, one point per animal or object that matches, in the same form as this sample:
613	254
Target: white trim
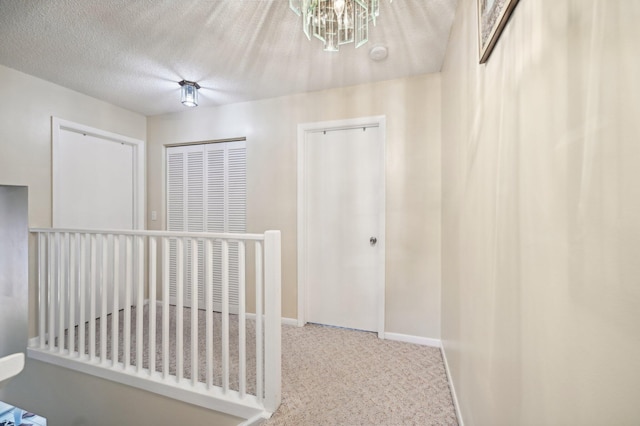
407	338
285	321
304	128
290	321
454	396
256	420
139	172
249	315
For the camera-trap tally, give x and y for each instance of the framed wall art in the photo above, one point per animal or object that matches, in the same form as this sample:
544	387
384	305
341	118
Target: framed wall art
492	17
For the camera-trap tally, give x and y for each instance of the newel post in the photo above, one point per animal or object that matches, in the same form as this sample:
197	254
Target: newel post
273	322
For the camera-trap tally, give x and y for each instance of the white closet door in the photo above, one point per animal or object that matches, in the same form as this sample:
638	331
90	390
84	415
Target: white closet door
176	169
185	210
236	206
94	182
206	192
195	206
226	209
216	213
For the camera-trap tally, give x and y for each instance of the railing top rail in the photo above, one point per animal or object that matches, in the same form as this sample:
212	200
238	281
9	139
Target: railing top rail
208	235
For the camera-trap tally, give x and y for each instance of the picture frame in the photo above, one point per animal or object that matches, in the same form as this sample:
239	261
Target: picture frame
492	17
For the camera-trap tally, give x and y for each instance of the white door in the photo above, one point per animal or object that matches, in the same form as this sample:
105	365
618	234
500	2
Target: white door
94	186
97	184
344	187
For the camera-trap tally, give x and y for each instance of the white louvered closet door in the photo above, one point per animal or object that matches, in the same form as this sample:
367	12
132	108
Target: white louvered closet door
213	199
176	212
226	209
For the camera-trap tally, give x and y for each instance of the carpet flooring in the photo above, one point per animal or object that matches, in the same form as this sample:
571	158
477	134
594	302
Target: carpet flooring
330	376
335	376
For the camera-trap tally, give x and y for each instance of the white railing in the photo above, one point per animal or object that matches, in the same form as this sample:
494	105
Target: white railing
104	301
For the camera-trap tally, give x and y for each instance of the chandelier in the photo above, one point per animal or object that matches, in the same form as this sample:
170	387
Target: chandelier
337	22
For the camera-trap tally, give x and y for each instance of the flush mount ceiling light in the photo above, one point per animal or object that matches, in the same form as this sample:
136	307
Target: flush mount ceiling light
337	22
189	93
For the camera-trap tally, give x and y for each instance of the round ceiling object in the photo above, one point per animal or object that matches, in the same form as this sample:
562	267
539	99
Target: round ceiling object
378	53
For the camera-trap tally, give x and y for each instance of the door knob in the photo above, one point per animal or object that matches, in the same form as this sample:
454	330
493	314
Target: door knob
373	241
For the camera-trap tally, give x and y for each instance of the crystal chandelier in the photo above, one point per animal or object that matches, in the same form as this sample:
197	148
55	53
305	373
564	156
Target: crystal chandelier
337	22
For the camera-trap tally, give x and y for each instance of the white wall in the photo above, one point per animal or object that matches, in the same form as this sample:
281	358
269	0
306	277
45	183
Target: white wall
541	200
412	108
63	396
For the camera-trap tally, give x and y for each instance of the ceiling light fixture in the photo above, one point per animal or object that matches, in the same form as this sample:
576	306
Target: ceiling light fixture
189	93
337	22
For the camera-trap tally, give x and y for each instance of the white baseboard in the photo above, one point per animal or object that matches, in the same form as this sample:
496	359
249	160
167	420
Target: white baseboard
285	321
256	420
289	321
424	341
249	316
454	396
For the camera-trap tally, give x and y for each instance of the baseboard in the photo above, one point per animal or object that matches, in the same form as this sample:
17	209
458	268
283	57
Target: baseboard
285	321
289	321
249	316
256	420
424	341
454	396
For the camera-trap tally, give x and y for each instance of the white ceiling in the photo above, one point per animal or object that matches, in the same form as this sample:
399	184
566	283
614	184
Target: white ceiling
133	53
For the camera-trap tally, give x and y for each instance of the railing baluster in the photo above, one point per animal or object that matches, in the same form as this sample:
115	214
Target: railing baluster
55	290
242	344
259	355
60	247
62	291
52	292
82	295
140	304
152	304
165	307
42	290
126	326
92	305
104	245
225	316
60	288
115	315
73	282
208	297
179	308
194	311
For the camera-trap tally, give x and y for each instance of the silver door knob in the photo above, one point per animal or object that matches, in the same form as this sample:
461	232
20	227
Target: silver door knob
373	241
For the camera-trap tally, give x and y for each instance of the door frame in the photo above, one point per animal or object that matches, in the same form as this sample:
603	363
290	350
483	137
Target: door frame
304	129
138	146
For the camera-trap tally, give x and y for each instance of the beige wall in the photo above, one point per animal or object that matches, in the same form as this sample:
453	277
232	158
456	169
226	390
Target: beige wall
412	109
540	229
26	109
25	139
63	396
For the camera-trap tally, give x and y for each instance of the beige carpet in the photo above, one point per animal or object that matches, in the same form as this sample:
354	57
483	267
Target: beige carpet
334	376
330	376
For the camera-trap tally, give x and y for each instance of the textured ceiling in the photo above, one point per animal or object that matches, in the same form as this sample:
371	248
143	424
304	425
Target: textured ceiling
133	53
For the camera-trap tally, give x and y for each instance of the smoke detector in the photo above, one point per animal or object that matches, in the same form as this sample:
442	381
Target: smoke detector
378	53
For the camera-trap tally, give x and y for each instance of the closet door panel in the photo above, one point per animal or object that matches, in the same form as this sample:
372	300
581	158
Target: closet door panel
206	192
216	182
